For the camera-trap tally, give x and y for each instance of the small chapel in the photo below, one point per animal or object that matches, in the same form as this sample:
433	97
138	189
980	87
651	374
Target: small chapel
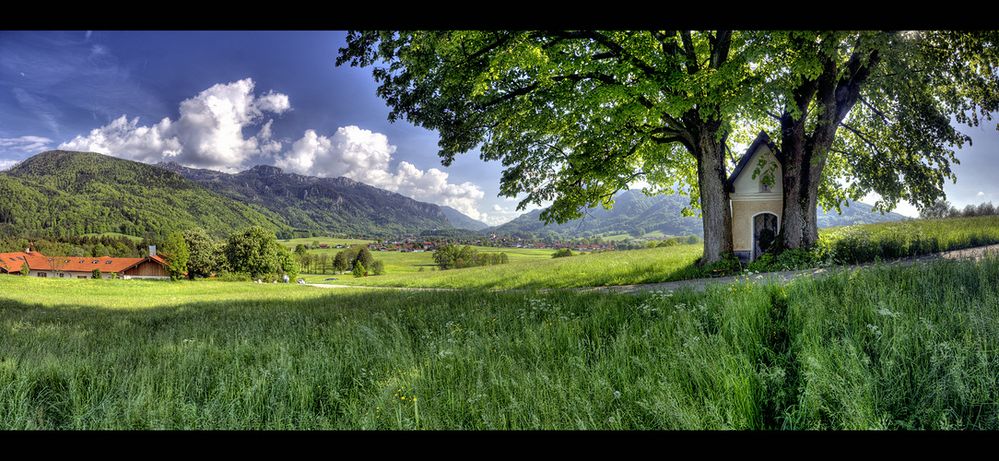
756	199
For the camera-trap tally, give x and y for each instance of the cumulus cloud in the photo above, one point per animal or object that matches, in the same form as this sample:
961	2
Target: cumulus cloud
208	133
980	194
365	156
500	214
6	164
28	144
213	129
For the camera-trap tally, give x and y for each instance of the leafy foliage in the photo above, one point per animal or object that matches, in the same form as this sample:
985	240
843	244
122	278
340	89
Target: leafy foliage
177	254
254	251
452	256
562	253
205	254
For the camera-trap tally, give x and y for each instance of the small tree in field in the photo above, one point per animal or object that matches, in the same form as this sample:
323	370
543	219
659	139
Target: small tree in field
24	269
378	267
340	262
359	270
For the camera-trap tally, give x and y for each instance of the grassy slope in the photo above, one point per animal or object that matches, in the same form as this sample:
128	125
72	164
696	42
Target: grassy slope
882	348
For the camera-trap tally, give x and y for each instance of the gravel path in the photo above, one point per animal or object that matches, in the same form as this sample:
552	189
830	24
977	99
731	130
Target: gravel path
703	283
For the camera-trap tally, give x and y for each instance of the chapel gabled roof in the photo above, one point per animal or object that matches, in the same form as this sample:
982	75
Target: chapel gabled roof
762	139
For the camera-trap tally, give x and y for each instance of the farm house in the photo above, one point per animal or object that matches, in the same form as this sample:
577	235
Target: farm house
39	265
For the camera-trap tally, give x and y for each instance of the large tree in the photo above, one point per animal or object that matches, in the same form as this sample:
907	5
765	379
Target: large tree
254	251
205	253
576	116
861	112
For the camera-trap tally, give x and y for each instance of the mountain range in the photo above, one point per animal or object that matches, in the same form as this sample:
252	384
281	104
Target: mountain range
637	214
63	193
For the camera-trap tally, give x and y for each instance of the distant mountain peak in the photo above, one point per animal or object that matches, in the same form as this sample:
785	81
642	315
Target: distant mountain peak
636	214
264	170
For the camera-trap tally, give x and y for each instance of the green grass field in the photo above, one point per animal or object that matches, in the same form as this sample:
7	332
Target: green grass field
397	262
535	269
887	347
596	269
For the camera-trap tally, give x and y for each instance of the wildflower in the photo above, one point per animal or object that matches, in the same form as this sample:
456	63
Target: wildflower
617	394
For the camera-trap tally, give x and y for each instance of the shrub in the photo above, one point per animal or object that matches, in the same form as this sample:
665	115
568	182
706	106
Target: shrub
359	270
729	264
378	267
95	274
562	253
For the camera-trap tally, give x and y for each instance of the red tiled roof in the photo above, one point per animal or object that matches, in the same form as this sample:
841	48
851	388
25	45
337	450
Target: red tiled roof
36	261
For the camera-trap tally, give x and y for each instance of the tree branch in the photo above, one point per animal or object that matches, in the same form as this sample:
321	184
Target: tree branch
874	109
862	137
688	50
721	42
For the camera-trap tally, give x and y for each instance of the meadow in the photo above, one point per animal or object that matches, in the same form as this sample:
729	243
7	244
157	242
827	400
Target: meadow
838	245
397	262
594	269
883	347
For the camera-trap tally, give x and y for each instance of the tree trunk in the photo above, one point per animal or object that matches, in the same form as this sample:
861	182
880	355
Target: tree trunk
794	166
716	213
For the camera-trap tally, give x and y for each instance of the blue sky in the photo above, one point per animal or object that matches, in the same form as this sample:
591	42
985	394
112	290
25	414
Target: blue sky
229	100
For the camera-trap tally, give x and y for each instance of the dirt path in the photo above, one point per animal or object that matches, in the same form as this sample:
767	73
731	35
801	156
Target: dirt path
703	283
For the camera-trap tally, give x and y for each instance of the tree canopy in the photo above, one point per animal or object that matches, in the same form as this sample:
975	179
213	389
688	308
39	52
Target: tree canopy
575	116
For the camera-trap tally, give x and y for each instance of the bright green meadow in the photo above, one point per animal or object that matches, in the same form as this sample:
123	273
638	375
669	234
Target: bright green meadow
883	347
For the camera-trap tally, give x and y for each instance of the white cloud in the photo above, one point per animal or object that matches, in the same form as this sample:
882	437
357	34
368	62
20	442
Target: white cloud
501	215
980	194
6	164
365	156
208	133
903	208
28	144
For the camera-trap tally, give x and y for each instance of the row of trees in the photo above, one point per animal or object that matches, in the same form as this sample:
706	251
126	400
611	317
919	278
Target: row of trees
253	252
943	209
577	115
357	259
455	257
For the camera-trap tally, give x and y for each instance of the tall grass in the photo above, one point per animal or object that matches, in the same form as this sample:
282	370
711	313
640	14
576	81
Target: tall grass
898	347
864	243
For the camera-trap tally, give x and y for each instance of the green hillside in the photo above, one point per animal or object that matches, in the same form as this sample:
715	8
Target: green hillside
60	193
307	203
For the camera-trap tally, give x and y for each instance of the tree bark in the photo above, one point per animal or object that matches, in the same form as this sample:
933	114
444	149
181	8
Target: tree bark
715	210
803	155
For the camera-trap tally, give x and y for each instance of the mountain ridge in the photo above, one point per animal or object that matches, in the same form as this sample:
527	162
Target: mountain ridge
636	214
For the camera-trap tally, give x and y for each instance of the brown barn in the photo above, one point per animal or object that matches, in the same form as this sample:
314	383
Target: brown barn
39	265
